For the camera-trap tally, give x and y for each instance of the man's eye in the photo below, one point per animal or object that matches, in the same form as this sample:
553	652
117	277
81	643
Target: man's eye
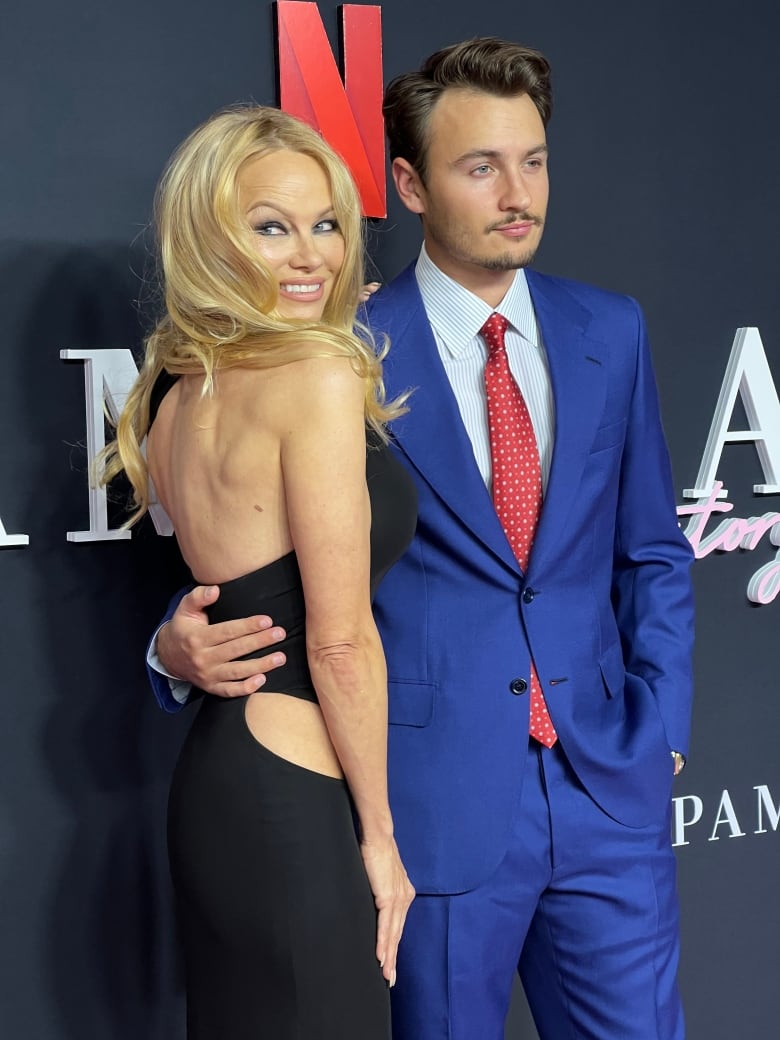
480	171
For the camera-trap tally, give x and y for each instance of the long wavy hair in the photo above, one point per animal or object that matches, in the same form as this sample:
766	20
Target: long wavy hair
220	296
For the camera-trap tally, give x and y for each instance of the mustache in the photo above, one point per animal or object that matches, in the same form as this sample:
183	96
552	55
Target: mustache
518	218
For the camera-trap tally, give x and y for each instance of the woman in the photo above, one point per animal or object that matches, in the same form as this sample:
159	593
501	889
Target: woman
258	452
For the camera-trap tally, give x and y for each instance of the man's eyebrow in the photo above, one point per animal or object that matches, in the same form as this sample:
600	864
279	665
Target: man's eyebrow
494	153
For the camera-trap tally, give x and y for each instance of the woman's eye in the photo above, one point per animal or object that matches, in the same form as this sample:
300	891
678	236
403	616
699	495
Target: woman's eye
270	227
331	224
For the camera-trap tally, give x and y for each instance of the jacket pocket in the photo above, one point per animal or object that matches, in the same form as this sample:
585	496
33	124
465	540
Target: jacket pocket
608	437
613	670
410	703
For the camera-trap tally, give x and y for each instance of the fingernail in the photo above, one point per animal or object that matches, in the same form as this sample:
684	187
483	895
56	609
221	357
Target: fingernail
260	681
277	633
392	979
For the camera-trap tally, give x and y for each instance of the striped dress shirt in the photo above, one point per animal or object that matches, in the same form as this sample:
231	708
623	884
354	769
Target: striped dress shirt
456	316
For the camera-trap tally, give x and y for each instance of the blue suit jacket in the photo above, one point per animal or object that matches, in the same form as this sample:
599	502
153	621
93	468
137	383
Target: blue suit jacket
605	607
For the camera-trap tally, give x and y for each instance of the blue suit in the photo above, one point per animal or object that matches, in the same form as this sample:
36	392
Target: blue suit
605	609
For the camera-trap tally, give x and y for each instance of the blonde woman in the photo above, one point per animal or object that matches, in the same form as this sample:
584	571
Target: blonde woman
268	453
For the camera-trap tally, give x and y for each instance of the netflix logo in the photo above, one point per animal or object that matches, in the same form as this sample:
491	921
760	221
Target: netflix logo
348	114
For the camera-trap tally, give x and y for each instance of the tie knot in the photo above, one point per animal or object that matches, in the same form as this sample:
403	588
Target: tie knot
493	331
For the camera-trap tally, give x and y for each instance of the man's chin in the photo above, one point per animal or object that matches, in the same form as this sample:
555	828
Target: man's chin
511	261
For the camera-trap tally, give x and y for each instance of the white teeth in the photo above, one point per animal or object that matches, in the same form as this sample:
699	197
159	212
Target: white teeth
291	287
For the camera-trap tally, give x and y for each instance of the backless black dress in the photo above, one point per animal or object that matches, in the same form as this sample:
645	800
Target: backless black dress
277	920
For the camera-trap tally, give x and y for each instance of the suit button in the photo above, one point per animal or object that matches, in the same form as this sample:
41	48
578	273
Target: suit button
528	595
518	686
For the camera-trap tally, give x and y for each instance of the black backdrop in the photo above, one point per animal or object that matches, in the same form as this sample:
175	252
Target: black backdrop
665	163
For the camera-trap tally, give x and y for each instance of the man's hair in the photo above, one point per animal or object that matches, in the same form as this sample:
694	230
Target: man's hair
484	64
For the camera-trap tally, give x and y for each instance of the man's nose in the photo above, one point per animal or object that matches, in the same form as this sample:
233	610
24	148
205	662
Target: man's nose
515	194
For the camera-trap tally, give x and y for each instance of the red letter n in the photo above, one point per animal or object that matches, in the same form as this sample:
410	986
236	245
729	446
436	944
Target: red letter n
348	115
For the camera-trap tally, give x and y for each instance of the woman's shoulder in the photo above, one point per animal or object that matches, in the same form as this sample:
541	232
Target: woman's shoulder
161	388
315	375
307	389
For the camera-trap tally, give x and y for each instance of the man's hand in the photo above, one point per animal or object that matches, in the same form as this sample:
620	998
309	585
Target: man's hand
205	655
368	290
679	762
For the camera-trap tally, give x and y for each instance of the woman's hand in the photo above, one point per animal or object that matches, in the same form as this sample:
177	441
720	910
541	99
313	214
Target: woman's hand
393	895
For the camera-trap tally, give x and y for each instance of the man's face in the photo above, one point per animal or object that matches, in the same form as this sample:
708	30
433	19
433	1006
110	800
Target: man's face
484	199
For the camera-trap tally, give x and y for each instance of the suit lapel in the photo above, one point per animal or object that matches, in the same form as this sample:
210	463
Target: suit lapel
578	372
432	434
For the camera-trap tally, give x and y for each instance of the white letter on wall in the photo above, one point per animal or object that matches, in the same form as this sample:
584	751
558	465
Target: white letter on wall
681	821
726	815
12	539
108	376
765	804
748	374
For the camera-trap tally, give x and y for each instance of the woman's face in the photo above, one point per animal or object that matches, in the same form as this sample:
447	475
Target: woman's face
287	200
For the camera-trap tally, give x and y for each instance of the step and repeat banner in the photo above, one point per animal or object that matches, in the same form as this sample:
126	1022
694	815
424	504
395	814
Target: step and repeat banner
664	166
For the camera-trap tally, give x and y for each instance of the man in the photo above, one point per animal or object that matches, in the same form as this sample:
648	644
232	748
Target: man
531	749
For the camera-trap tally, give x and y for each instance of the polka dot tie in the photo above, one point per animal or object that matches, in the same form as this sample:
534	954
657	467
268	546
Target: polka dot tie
517	480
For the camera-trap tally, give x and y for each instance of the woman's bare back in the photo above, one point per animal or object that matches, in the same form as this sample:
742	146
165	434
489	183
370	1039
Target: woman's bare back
217	471
215	461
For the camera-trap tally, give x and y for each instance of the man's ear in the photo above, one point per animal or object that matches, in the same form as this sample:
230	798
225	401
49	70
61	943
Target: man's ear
409	186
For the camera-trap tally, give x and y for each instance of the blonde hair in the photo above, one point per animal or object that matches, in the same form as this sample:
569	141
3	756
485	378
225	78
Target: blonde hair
220	297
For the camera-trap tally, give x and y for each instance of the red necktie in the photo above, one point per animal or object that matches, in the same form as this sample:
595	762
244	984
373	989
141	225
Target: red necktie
517	480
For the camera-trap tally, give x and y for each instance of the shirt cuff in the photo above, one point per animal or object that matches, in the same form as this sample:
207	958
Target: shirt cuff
180	688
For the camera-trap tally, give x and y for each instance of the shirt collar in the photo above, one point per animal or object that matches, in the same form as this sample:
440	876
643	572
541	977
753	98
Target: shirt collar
457	315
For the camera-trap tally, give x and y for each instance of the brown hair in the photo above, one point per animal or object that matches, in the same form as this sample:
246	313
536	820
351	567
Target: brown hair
484	64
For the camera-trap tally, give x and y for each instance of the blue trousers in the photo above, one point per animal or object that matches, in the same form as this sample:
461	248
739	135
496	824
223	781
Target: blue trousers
583	907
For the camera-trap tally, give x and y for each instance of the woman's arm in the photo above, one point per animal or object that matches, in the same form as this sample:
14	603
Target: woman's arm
323	456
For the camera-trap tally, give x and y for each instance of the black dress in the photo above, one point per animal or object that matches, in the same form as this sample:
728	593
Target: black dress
276	916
